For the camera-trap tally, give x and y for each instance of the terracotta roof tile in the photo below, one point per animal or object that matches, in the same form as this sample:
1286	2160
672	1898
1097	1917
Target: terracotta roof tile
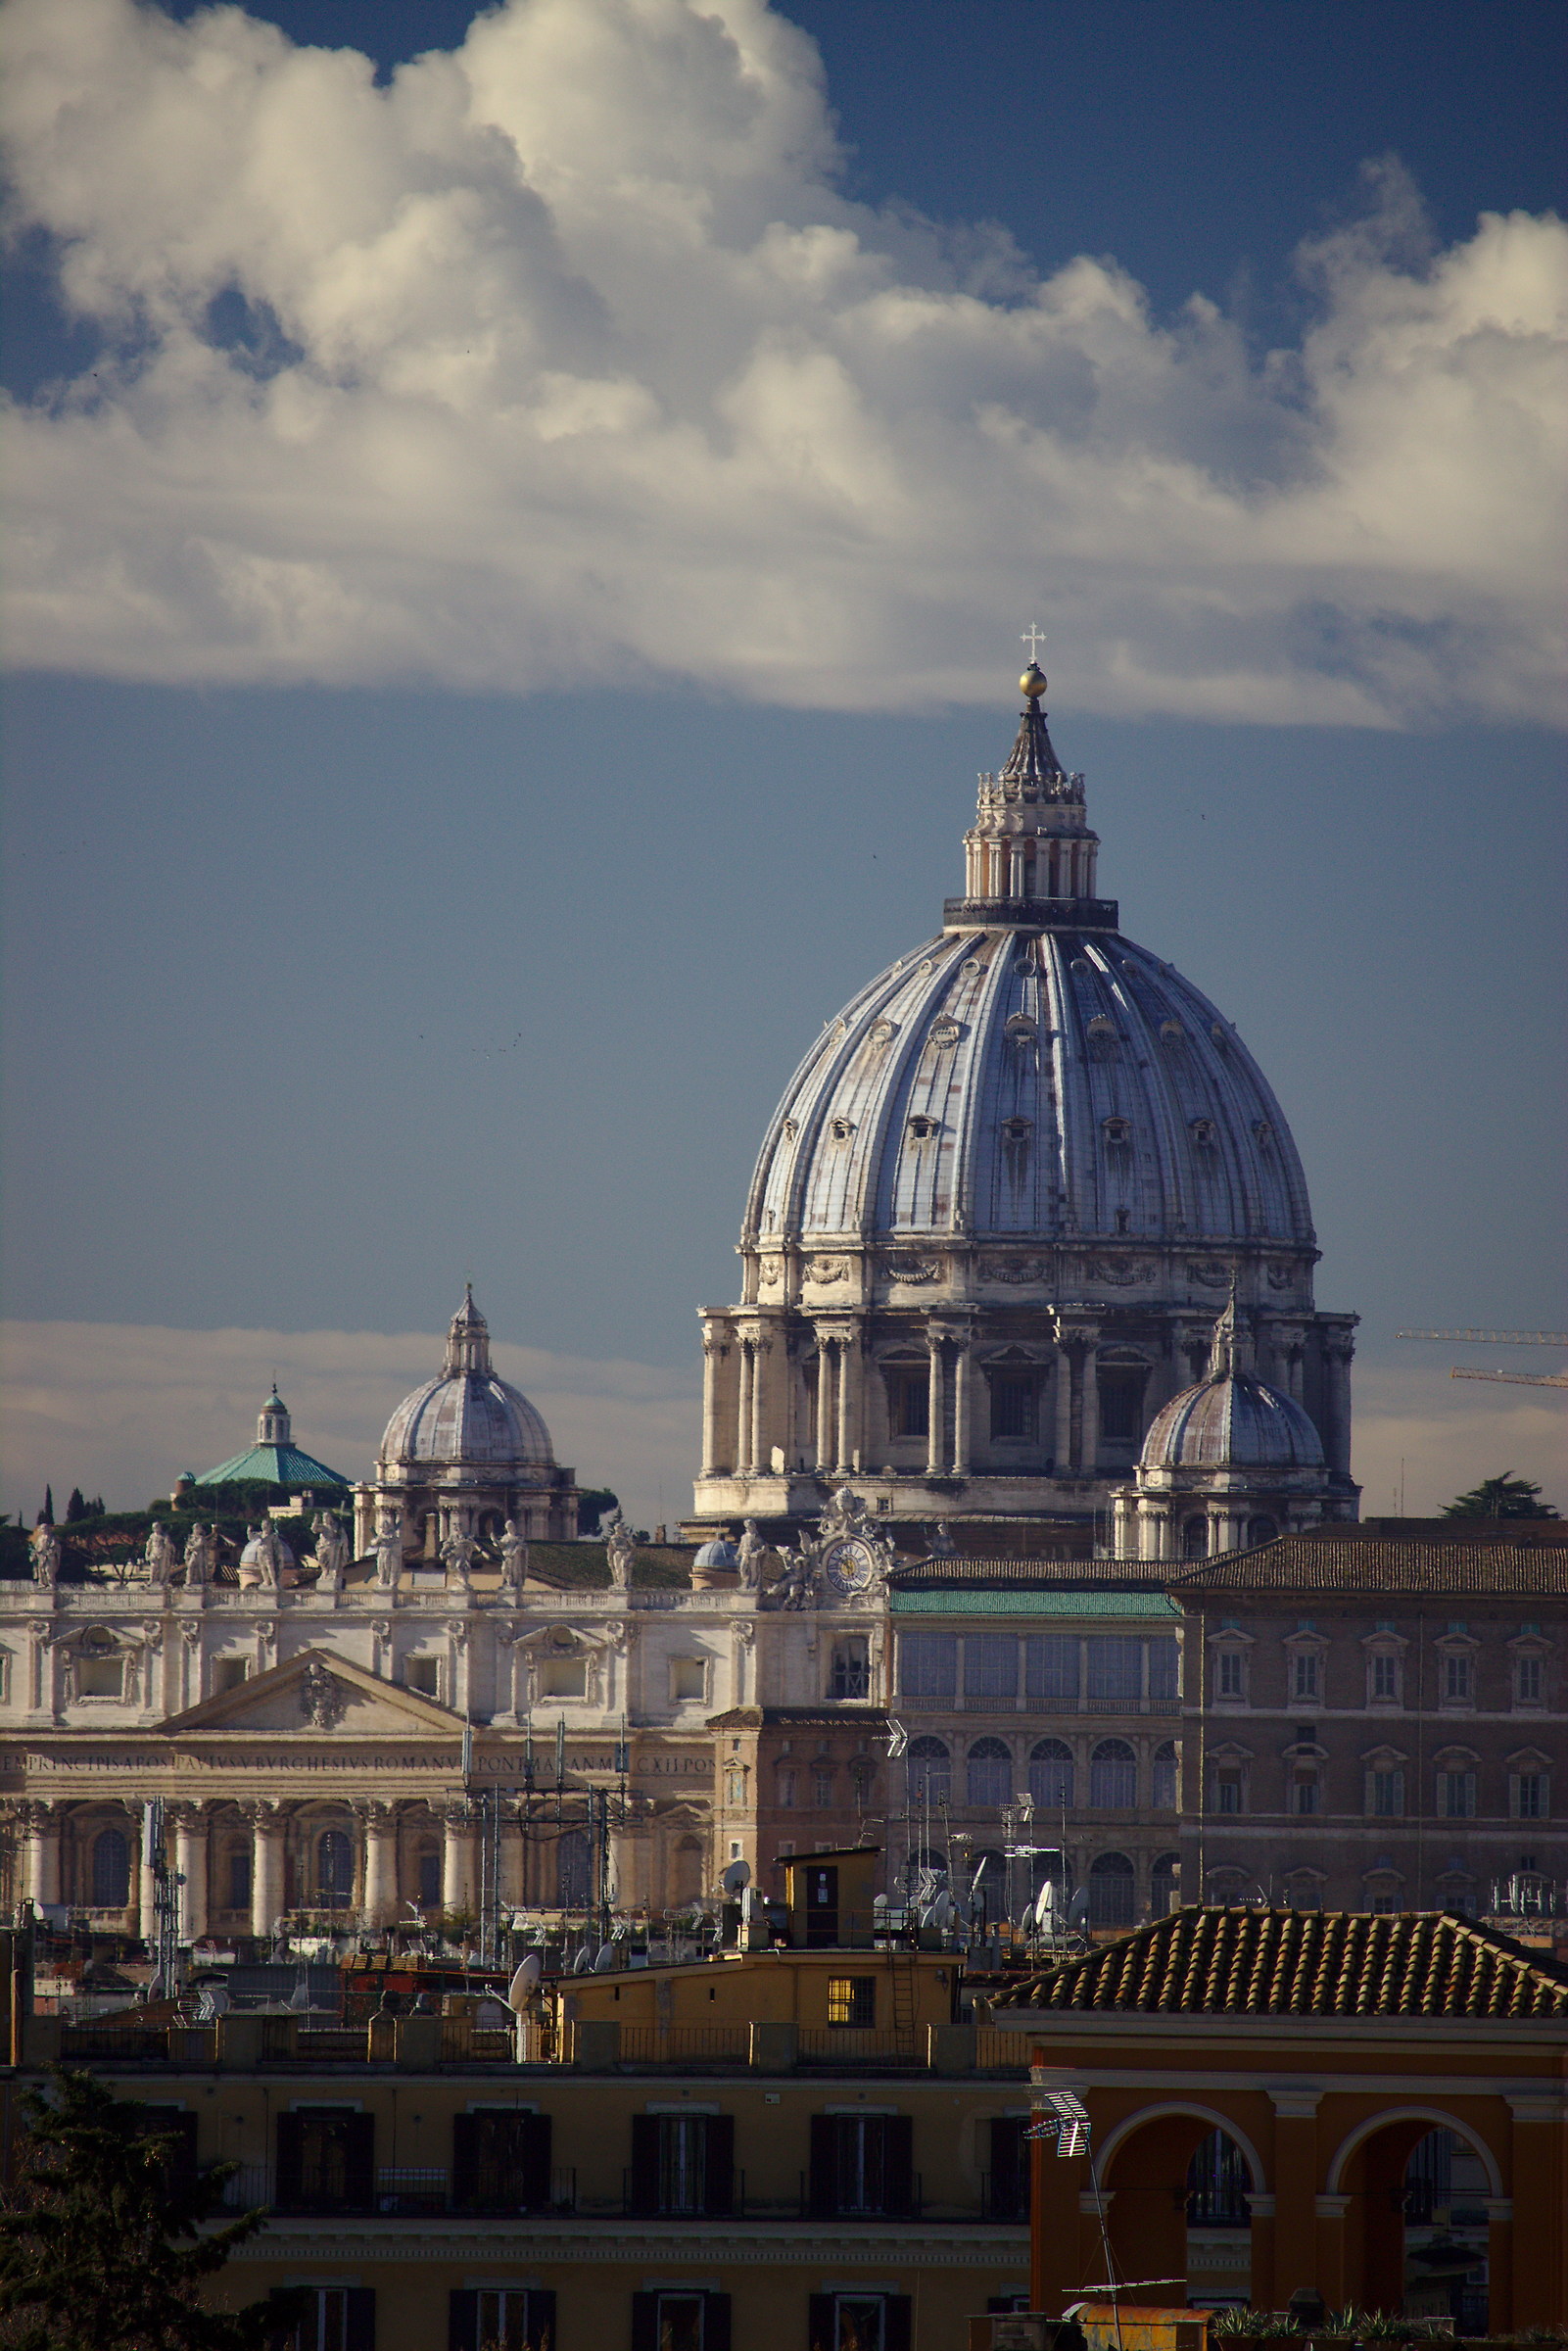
1363	1564
1208	1961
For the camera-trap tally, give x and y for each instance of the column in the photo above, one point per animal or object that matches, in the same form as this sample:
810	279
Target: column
1531	2231
190	1862
1064	1410
1015	869
457	1858
266	1870
744	1427
1291	2233
43	1853
824	1404
760	1351
1337	1354
937	1408
848	1402
380	1831
962	1408
1090	1375
714	1355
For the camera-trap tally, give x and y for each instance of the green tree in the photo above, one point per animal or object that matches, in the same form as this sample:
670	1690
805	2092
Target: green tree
105	2238
1504	1496
592	1504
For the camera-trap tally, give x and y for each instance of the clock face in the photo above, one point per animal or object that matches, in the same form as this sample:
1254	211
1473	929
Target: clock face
850	1566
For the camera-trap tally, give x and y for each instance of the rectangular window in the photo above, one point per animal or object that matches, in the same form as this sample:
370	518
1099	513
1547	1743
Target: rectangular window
325	2161
1304	1680
787	1792
1530	1795
689	1678
1230	1675
853	2322
1115	1669
1529	1681
928	1664
682	2318
1121	1404
682	2164
1306	1795
1164	1669
502	2318
229	1673
333	2318
422	1674
1456	1795
1164	1782
100	1676
860	2166
1012	1408
1457	1685
239	1877
1051	1670
1228	1791
909	1403
1388	1794
990	1668
850	1676
1385	1683
852	1999
501	2160
822	1789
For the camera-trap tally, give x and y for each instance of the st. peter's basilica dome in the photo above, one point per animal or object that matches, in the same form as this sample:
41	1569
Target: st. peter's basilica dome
991	1213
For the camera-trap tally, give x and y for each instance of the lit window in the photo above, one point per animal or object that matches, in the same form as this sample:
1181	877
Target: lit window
852	1999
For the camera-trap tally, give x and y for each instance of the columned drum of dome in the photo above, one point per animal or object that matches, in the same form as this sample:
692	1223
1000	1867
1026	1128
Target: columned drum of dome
466	1453
1000	1204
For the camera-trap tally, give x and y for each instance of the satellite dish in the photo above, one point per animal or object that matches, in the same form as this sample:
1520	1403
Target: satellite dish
605	1960
941	1909
1078	1908
979	1875
582	1963
879	1901
735	1879
1045	1906
525	1982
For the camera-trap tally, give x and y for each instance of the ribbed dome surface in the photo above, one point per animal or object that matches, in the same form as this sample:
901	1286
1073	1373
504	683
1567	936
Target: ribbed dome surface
467	1419
720	1552
1232	1421
1053	1083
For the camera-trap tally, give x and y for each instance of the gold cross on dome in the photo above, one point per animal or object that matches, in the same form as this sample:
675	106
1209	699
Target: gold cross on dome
1033	637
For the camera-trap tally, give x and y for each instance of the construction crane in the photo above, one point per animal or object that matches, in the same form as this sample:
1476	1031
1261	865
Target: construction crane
1502	1338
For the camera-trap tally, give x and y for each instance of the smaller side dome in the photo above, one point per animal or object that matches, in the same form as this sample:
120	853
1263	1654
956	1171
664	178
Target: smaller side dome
1232	1419
720	1553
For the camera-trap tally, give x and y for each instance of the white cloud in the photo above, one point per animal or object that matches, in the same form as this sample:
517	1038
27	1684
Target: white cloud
563	355
120	1409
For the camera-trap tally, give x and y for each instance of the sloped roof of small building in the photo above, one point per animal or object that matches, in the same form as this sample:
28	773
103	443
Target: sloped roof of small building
282	1464
1341	1559
1210	1961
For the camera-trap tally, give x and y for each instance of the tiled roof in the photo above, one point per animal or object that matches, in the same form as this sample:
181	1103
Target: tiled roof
1246	1962
1027	1600
946	1575
1366	1563
281	1465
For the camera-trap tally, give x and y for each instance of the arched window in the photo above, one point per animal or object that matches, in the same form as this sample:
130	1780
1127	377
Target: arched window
989	1779
110	1870
1194	1539
1262	1530
334	1870
572	1870
1218	2179
1111	1883
1164	1777
930	1772
1113	1776
1165	1884
1051	1773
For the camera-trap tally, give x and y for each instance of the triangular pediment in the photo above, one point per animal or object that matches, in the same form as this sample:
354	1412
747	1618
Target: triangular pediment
317	1695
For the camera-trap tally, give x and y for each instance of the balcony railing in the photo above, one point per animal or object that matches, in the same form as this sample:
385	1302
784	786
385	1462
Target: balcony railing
674	2044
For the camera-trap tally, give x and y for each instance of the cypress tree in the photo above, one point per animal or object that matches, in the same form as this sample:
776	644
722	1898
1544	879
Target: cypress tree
106	2241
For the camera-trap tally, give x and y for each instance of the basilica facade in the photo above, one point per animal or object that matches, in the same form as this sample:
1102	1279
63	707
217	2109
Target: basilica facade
999	1206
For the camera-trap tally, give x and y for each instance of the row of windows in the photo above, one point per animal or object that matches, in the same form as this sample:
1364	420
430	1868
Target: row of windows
327	1871
991	1777
513	2318
1306	1678
1016	1396
1111	1886
1455	1793
1047	1669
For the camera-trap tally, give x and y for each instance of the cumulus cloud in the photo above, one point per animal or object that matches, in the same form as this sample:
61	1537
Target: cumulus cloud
562	355
120	1409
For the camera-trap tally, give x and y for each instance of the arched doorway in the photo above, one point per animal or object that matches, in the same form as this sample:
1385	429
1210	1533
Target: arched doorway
1416	2188
1176	2184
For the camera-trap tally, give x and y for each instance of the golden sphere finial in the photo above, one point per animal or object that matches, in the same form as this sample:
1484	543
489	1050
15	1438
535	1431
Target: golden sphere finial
1032	681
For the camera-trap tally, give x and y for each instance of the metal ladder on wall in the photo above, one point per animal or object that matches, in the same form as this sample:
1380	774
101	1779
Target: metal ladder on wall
904	1966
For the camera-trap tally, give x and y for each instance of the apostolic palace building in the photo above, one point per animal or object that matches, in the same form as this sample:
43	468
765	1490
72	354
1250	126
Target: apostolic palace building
1023	1538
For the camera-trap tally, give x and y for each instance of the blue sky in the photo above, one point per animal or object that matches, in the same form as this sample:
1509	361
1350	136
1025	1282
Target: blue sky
522	557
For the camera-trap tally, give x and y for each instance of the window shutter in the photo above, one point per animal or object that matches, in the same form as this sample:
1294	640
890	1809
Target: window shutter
897	2332
645	2163
898	2165
1007	2166
463	2310
361	2332
291	2152
824	2166
716	2323
540	2312
824	2331
718	2186
645	2307
464	2160
534	2164
360	2164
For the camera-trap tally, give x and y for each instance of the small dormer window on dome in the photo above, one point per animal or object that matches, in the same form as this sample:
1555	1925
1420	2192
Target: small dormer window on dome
1203	1132
841	1130
1117	1130
1018	1131
922	1128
